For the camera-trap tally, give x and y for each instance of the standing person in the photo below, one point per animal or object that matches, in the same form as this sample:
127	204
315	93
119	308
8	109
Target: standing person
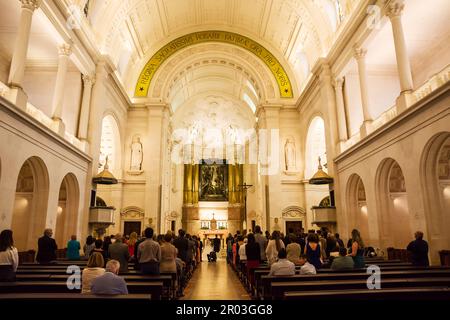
332	245
253	252
119	251
99	248
216	243
293	250
110	282
46	248
149	254
339	241
357	249
419	250
230	241
73	248
182	244
131	243
200	245
94	269
313	250
9	257
273	247
106	243
89	246
267	234
168	255
242	252
262	241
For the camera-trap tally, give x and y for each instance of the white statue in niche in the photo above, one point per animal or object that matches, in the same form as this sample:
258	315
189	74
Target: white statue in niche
289	155
136	155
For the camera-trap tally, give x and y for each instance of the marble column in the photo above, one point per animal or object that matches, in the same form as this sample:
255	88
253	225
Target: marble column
88	82
340	108
64	52
394	12
17	69
360	56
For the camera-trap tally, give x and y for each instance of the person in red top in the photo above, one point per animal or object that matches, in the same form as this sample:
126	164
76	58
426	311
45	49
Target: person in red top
131	243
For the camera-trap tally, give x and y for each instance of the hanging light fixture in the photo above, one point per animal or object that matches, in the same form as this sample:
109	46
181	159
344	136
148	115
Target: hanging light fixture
320	177
105	176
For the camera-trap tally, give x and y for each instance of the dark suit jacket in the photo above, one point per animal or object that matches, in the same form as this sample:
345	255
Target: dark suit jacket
119	251
182	244
46	249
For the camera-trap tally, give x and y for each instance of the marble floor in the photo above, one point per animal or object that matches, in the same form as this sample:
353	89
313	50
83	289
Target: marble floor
215	281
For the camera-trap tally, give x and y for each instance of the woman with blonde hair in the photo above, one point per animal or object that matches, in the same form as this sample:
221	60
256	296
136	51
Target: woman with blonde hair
357	252
93	270
131	243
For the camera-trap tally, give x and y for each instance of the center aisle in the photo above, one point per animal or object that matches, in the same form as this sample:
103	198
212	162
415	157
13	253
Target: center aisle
215	281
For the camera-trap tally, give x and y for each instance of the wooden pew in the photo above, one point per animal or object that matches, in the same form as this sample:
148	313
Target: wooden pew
279	288
126	298
155	289
167	280
397	294
265	284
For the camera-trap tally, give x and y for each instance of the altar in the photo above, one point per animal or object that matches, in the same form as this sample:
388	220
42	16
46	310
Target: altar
205	235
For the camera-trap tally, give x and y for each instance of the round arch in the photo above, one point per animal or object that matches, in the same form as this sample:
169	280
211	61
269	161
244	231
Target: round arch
435	181
276	68
67	212
357	205
30	204
209	54
392	199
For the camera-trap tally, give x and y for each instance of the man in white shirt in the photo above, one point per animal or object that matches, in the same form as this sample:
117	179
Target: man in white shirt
307	268
283	267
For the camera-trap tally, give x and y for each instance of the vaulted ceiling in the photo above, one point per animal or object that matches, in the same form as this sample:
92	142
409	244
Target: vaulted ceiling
297	32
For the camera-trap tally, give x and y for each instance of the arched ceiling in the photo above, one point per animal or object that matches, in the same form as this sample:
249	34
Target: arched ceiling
213	67
297	32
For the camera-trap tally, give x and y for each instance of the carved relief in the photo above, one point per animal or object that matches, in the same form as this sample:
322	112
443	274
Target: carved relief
132	212
293	212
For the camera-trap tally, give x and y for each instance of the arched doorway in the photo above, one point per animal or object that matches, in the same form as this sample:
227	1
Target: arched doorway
395	228
30	205
67	212
294	217
435	179
132	220
357	206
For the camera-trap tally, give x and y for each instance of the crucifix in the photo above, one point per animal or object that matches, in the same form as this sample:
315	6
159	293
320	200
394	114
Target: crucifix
245	187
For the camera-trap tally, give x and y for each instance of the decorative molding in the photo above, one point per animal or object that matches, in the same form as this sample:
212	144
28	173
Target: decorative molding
132	212
293	212
155	62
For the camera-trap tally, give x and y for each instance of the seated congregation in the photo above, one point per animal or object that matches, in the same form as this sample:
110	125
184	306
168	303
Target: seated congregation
314	265
318	265
148	267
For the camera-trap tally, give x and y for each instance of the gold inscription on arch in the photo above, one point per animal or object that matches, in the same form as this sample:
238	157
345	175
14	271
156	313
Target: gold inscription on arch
146	76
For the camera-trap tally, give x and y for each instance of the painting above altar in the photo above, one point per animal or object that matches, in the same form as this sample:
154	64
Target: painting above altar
213	180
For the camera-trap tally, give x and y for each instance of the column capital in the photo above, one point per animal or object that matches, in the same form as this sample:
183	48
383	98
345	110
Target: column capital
338	83
30	4
359	53
88	80
395	9
65	49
